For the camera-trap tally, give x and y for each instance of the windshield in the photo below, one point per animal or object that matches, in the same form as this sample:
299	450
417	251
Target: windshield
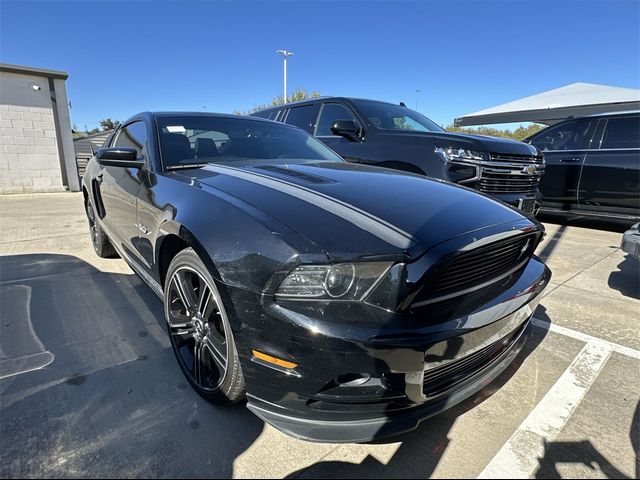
187	141
394	117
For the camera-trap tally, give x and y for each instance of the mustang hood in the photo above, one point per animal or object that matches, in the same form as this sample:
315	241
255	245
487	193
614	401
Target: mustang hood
347	209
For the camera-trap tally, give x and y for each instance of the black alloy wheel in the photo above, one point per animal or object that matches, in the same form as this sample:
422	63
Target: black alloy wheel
200	333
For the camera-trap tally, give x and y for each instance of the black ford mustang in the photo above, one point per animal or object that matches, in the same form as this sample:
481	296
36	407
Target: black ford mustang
345	302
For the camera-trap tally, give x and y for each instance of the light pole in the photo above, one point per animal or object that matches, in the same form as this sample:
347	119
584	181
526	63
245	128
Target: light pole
285	54
417	95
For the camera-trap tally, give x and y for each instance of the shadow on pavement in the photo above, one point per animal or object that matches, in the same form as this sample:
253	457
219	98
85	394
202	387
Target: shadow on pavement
113	403
553	242
581	453
584	222
627	278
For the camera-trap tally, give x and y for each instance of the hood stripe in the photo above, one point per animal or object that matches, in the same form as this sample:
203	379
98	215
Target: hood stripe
366	221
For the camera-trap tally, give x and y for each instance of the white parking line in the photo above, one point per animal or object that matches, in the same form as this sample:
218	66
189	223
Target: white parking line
519	457
629	352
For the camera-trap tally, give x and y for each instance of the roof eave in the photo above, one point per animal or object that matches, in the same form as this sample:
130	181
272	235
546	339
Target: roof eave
545	115
33	71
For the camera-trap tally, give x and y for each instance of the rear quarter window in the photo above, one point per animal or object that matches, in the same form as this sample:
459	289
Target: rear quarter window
303	117
621	133
263	114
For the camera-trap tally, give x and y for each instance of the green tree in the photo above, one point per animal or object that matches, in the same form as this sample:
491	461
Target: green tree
297	95
519	133
77	133
108	124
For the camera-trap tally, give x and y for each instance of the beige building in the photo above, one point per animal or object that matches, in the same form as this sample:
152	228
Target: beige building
36	145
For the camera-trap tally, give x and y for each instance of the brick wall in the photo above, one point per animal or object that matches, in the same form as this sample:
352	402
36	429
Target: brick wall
29	159
29	154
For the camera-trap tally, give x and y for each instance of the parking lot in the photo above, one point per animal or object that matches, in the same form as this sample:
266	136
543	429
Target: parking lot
89	385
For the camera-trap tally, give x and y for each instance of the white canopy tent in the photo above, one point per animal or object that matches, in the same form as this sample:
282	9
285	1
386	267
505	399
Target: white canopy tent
575	100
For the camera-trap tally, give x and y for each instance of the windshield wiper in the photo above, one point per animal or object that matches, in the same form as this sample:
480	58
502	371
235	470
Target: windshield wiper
180	167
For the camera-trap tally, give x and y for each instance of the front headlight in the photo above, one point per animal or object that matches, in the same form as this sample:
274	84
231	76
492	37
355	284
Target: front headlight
451	154
342	281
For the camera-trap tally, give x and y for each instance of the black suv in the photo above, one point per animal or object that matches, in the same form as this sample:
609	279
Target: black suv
593	166
394	136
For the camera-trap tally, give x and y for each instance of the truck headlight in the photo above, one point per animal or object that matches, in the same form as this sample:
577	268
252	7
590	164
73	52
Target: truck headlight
463	166
451	154
342	281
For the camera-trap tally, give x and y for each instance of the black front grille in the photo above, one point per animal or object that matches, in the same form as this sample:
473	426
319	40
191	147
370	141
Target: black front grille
439	380
484	263
478	266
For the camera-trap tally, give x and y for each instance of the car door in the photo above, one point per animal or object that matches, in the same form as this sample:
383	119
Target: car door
330	112
119	189
610	180
564	147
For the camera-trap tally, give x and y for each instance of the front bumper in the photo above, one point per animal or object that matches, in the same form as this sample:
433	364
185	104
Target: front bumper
364	373
503	180
631	241
528	203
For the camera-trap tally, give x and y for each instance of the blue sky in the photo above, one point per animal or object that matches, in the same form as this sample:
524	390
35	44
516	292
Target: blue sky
125	57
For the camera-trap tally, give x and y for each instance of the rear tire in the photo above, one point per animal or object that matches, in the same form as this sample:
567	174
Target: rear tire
200	332
101	243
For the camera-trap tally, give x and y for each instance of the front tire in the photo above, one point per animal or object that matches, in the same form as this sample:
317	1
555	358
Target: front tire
99	240
200	332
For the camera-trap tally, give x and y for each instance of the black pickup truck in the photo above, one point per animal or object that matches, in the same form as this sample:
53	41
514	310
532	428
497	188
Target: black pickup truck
394	136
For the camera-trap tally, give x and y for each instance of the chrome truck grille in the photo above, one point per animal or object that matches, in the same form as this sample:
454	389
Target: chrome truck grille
510	174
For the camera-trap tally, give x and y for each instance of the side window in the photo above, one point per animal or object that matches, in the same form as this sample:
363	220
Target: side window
407	123
330	113
622	133
262	114
568	136
303	117
133	135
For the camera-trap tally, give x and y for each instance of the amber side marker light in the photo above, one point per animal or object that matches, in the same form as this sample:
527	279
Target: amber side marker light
275	361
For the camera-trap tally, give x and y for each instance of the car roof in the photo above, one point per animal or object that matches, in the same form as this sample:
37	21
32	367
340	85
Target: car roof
323	99
203	114
611	114
152	115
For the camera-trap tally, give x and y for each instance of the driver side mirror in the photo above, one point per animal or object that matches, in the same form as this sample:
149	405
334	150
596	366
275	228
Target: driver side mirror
347	129
119	157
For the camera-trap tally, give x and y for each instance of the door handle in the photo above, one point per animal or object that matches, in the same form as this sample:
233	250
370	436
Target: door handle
100	177
571	159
